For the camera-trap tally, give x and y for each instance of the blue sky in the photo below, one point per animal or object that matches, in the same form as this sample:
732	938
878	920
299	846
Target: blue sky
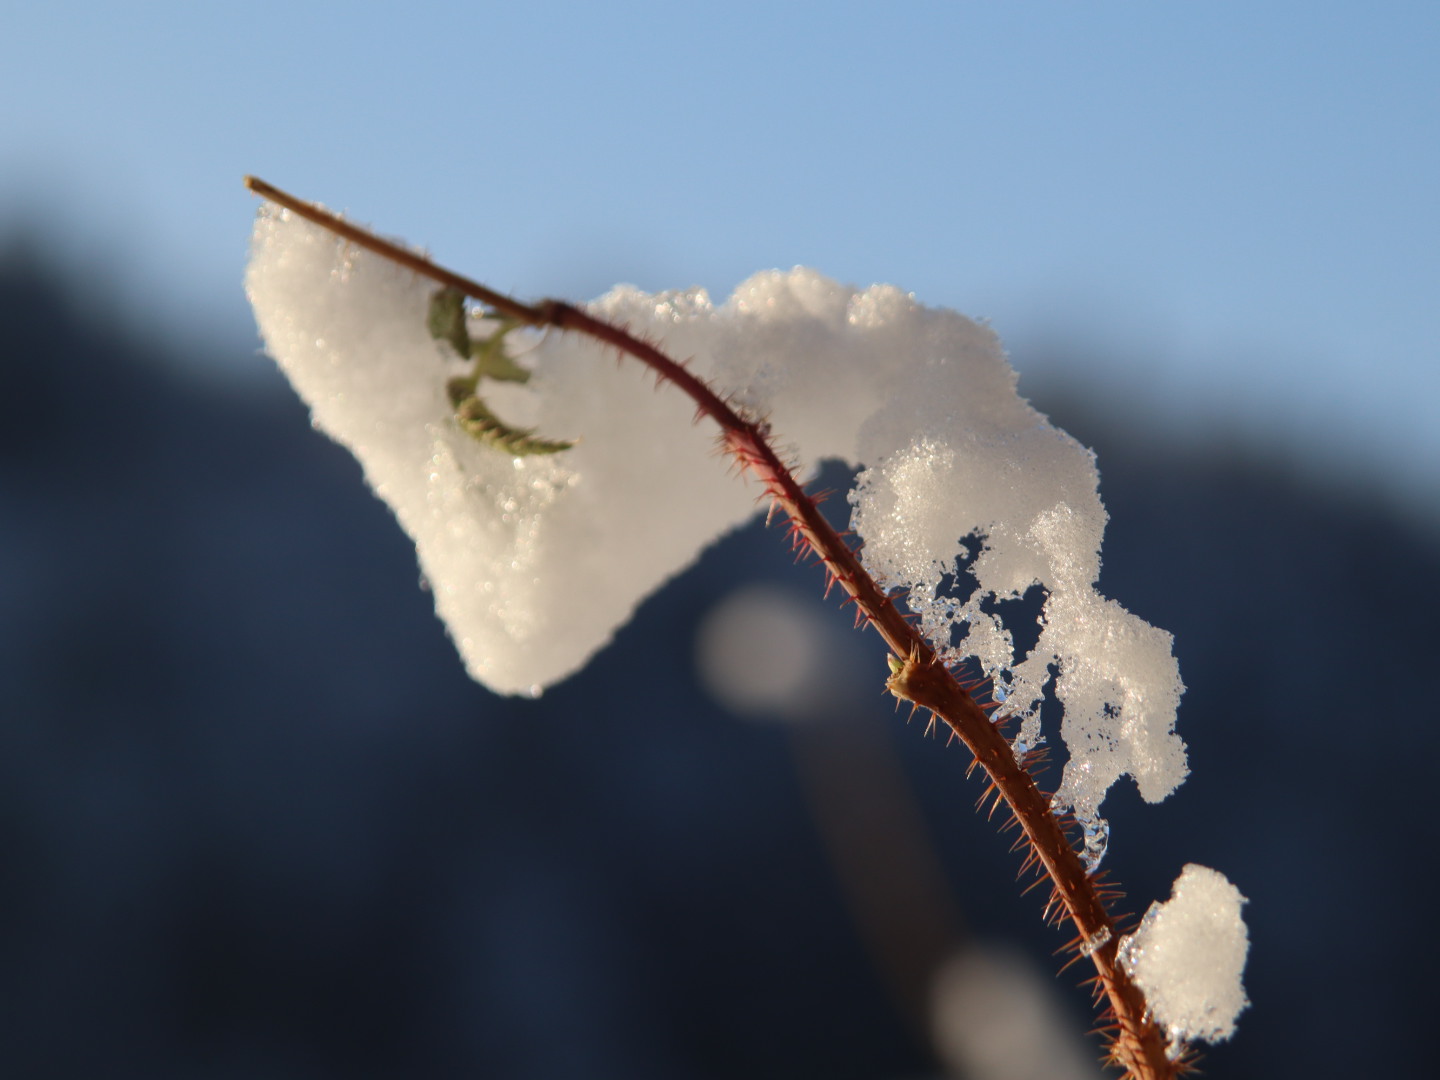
1228	211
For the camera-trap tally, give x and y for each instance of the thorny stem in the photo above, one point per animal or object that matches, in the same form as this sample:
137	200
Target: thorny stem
1136	1042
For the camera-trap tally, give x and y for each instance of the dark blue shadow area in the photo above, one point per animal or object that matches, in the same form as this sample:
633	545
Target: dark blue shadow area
256	821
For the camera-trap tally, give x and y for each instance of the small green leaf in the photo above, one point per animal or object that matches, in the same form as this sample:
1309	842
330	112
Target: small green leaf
447	320
492	361
447	323
476	418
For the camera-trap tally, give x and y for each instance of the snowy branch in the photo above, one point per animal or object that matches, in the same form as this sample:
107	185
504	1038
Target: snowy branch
536	559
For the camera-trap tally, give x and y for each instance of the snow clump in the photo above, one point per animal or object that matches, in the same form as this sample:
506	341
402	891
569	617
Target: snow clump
535	561
1188	955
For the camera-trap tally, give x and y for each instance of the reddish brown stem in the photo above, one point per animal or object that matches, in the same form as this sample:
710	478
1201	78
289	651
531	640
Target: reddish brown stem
1136	1042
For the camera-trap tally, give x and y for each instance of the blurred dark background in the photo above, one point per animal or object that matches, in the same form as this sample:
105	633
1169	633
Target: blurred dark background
256	821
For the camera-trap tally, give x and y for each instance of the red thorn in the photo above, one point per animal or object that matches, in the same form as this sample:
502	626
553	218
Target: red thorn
1031	887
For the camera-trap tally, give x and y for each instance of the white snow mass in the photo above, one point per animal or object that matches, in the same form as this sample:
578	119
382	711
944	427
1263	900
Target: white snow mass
535	561
1188	955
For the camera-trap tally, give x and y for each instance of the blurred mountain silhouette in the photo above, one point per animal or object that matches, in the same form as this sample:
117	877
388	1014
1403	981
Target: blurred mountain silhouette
257	822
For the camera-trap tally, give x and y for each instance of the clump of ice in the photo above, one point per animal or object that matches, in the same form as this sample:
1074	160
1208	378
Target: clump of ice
535	561
952	463
1188	955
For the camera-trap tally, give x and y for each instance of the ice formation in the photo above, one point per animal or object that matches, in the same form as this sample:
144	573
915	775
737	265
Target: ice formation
1188	955
535	561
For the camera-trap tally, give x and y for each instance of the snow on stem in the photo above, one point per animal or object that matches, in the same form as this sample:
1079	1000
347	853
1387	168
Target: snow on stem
1136	1042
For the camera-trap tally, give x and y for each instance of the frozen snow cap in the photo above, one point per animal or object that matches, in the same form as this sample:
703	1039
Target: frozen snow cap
1188	955
535	561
